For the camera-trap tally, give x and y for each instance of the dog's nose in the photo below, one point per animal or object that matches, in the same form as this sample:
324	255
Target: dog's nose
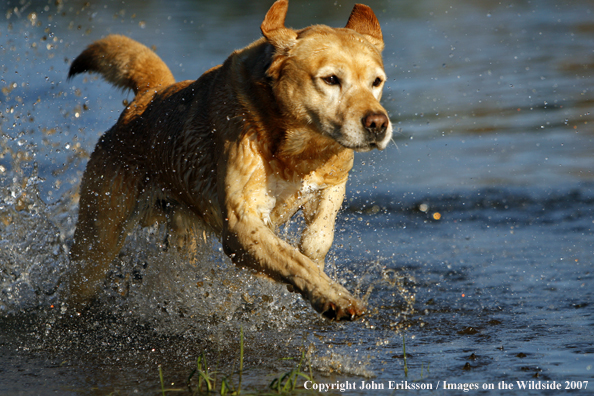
377	124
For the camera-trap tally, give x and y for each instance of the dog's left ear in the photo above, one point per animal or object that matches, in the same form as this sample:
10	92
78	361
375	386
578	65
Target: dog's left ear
363	21
273	27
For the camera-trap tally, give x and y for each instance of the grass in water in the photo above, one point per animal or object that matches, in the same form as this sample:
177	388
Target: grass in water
208	383
404	355
406	363
162	381
287	382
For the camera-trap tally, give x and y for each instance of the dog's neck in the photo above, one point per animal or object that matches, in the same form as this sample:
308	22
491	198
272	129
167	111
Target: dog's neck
322	156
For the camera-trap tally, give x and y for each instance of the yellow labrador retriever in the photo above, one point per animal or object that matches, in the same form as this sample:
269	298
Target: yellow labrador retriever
242	149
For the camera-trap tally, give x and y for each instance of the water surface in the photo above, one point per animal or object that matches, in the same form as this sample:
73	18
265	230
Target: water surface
471	237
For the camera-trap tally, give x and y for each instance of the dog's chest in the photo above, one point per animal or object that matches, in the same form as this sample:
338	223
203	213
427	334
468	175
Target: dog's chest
285	196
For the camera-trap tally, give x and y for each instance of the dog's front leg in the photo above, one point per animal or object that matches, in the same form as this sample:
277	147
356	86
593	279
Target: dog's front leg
250	242
320	215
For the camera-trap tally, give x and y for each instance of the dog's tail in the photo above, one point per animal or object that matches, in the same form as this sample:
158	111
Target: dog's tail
125	63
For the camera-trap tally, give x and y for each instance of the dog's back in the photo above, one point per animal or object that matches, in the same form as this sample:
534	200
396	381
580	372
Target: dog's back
164	125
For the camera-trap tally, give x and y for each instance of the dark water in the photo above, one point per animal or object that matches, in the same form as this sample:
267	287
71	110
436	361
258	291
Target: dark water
471	238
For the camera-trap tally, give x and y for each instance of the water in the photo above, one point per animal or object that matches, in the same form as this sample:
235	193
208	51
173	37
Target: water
471	238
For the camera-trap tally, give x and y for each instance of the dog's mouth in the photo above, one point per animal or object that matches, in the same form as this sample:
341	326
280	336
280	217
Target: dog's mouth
364	148
364	140
373	145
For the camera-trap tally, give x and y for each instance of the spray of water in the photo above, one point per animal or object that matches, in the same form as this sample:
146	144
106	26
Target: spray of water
152	295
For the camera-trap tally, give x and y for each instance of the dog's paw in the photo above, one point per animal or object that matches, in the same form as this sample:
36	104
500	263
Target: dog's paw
341	306
351	312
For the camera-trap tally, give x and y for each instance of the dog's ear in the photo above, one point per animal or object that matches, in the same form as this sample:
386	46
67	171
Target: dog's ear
363	21
273	27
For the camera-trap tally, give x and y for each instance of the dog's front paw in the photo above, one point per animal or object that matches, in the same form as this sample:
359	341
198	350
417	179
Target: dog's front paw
339	306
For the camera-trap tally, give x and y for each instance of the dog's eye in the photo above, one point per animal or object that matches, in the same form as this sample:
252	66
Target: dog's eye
377	82
331	80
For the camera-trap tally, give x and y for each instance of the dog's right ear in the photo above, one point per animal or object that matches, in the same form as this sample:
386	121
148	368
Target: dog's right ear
273	27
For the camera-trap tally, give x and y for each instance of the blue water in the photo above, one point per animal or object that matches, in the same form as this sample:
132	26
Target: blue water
471	237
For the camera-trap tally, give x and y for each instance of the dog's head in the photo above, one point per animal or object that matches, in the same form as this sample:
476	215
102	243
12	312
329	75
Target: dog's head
329	81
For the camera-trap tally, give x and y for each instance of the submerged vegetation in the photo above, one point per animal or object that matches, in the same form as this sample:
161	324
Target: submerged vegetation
203	380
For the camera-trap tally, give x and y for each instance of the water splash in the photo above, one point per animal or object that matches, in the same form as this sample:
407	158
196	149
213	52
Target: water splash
32	247
153	301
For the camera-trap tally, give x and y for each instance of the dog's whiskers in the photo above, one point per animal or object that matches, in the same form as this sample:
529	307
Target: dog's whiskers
393	141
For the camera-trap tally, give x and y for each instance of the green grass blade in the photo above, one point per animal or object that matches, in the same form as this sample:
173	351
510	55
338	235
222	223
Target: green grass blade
162	381
240	359
404	355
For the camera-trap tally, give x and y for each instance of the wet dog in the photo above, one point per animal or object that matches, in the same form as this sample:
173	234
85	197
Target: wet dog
269	132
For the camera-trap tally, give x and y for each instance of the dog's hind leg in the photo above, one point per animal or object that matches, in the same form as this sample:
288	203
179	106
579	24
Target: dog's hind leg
182	231
107	212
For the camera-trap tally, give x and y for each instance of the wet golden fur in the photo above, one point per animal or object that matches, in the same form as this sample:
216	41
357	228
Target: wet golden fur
242	149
